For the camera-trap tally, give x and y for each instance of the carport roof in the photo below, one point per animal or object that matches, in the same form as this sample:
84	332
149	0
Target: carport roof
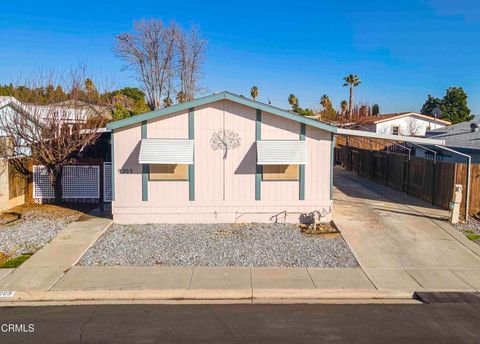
372	135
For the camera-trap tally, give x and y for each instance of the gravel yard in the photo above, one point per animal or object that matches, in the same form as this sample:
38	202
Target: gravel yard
470	228
37	226
245	245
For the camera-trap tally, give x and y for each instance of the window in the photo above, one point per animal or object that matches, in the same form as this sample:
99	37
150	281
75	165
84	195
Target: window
280	172
168	172
395	129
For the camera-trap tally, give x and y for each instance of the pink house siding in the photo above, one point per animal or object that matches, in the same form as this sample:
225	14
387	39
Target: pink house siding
317	172
174	126
128	184
224	188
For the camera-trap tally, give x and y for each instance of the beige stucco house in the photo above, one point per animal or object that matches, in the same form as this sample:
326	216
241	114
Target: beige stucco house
220	158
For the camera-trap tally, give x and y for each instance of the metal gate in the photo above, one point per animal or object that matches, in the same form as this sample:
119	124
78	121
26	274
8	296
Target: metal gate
42	187
78	182
107	182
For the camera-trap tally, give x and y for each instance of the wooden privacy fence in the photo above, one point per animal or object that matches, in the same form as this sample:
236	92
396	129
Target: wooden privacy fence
423	178
371	144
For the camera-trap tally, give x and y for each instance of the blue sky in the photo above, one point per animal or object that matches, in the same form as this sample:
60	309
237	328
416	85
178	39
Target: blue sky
402	50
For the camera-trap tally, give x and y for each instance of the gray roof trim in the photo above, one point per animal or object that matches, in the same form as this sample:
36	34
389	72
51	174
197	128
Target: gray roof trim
216	97
414	139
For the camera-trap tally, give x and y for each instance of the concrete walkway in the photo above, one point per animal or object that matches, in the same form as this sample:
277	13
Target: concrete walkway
50	263
137	278
402	245
402	242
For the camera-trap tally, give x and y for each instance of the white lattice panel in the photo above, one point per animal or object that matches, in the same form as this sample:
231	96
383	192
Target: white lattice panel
81	182
42	187
107	182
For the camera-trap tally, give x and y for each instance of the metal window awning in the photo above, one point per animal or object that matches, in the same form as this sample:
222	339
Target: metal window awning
281	152
166	151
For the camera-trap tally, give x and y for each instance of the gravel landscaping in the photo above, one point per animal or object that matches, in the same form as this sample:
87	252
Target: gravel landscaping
470	228
245	245
37	225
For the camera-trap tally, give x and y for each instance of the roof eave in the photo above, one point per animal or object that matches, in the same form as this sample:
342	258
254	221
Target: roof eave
368	134
216	97
412	114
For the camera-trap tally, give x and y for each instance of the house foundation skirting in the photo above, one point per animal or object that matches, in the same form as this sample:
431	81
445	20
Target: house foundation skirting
211	214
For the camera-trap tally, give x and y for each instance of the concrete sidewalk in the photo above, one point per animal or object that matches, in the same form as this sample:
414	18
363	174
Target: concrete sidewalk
193	278
50	263
209	285
402	245
402	242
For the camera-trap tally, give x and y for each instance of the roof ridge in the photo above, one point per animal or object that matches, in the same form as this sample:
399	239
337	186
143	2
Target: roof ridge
223	95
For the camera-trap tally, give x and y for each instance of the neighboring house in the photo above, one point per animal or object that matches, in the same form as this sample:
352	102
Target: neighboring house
69	112
220	158
12	183
405	123
463	137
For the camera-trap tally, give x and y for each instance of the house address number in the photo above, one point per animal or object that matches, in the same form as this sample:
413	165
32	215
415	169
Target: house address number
125	170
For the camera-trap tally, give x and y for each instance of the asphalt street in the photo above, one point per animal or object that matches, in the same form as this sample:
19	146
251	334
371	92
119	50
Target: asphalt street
421	323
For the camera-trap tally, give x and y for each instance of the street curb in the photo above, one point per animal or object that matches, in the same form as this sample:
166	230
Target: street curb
209	296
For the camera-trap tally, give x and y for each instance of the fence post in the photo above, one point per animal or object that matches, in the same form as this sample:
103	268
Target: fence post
385	163
358	162
408	176
372	164
101	185
433	181
349	159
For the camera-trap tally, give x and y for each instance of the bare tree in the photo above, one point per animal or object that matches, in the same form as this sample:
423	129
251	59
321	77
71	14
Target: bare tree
52	134
191	55
413	128
150	53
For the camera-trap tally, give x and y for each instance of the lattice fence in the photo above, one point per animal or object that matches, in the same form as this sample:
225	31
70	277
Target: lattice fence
107	182
42	187
81	182
78	182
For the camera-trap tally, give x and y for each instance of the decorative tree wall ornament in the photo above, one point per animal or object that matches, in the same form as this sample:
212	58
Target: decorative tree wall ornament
226	140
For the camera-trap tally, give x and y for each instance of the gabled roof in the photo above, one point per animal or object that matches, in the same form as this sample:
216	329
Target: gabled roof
216	97
387	117
459	135
12	102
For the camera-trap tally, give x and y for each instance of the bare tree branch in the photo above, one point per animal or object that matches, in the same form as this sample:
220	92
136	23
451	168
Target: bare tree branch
162	56
52	134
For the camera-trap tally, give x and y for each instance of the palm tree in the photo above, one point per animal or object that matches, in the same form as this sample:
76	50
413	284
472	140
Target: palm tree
293	100
167	101
254	92
180	97
325	101
351	81
344	107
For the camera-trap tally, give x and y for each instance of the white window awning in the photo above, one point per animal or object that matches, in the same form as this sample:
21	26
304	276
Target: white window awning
281	152
166	151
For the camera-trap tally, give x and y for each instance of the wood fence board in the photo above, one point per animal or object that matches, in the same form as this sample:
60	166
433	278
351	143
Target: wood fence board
431	181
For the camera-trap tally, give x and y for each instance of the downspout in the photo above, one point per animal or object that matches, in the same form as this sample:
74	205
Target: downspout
469	163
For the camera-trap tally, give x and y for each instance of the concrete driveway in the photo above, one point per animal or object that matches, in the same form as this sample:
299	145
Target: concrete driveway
402	242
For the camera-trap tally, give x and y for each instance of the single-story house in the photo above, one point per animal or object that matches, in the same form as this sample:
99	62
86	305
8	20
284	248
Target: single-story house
220	158
404	123
12	183
462	137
